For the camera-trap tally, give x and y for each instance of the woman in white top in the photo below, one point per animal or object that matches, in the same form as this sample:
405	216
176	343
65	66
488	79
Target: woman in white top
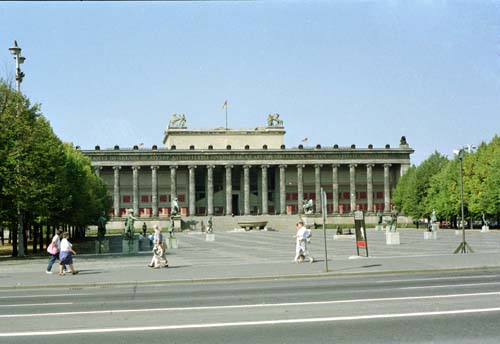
66	255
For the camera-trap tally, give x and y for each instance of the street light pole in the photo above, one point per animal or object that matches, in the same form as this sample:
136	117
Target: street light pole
464	247
16	51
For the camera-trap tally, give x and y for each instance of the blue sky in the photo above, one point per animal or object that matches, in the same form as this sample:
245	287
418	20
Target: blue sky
338	72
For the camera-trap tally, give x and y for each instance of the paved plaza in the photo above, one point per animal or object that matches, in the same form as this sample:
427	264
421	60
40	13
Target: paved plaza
265	254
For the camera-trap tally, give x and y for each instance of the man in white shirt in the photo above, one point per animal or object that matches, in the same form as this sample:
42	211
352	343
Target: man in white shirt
302	238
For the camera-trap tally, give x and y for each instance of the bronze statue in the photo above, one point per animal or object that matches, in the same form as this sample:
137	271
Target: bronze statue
174	211
177	121
210	227
101	227
379	217
403	142
308	206
129	225
274	120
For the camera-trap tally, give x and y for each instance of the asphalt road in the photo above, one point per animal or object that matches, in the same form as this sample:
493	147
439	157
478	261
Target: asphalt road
394	308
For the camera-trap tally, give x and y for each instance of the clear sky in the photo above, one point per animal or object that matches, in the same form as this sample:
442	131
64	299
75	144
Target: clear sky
338	72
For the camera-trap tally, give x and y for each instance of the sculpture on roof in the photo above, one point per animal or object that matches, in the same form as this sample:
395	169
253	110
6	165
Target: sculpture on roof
177	121
274	120
403	142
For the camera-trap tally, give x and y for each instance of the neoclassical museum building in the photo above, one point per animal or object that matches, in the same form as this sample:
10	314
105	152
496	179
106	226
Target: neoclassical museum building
225	172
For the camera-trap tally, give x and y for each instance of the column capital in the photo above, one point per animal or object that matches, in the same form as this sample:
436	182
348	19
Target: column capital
264	166
318	165
387	165
98	168
210	167
192	167
228	167
246	167
353	165
173	167
117	167
136	167
301	166
370	165
335	165
283	166
155	167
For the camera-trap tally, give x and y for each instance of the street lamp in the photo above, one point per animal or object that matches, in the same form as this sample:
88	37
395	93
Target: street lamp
16	51
464	247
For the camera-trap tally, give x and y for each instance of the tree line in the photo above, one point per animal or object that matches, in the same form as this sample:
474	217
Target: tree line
435	184
44	183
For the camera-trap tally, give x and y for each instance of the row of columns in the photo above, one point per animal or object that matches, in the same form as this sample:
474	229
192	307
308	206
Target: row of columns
246	187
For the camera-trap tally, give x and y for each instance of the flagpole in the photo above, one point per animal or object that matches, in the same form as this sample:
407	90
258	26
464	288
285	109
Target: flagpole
226	116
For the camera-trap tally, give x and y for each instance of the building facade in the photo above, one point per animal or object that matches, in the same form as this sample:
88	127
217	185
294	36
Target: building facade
247	172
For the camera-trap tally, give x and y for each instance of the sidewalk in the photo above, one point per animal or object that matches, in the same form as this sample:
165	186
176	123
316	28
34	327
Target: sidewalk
259	256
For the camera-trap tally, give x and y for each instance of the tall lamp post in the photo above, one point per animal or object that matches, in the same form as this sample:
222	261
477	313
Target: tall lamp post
16	51
464	247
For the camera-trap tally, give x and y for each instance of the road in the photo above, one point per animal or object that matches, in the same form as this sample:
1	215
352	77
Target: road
452	307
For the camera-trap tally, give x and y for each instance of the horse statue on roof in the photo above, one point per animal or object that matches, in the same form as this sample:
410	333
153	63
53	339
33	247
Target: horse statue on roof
177	121
274	120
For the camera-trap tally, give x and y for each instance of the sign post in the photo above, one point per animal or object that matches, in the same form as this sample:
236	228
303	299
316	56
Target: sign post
359	223
323	211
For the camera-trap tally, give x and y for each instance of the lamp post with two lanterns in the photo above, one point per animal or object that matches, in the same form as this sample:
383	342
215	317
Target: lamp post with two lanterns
16	51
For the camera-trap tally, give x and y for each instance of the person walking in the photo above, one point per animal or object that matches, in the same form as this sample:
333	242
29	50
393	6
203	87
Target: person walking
66	255
301	237
54	254
159	259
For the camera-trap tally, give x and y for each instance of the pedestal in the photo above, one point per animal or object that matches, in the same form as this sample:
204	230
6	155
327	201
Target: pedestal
173	243
379	228
434	227
130	246
308	221
430	235
458	232
102	246
177	224
210	237
392	238
485	229
145	244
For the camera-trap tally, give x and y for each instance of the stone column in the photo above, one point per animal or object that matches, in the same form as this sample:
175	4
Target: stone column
173	183
369	186
116	190
387	188
282	189
264	190
404	169
154	189
229	190
210	190
300	189
192	191
98	171
317	186
246	189
135	190
335	187
352	182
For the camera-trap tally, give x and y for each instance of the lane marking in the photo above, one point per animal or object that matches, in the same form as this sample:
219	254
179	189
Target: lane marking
247	323
451	285
41	295
437	278
38	304
258	305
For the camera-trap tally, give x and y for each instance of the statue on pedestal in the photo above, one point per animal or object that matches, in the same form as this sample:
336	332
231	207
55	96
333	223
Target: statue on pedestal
129	225
392	222
210	227
101	227
174	208
308	206
379	217
177	121
274	120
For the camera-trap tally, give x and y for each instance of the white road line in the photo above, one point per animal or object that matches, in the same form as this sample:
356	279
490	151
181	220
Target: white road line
258	305
450	285
41	295
246	323
38	304
438	278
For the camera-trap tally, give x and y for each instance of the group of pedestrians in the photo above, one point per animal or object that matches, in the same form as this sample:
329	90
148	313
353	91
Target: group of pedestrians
61	249
159	259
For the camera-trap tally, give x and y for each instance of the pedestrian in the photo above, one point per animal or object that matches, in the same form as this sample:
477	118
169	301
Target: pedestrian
53	249
301	238
159	259
66	255
144	229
